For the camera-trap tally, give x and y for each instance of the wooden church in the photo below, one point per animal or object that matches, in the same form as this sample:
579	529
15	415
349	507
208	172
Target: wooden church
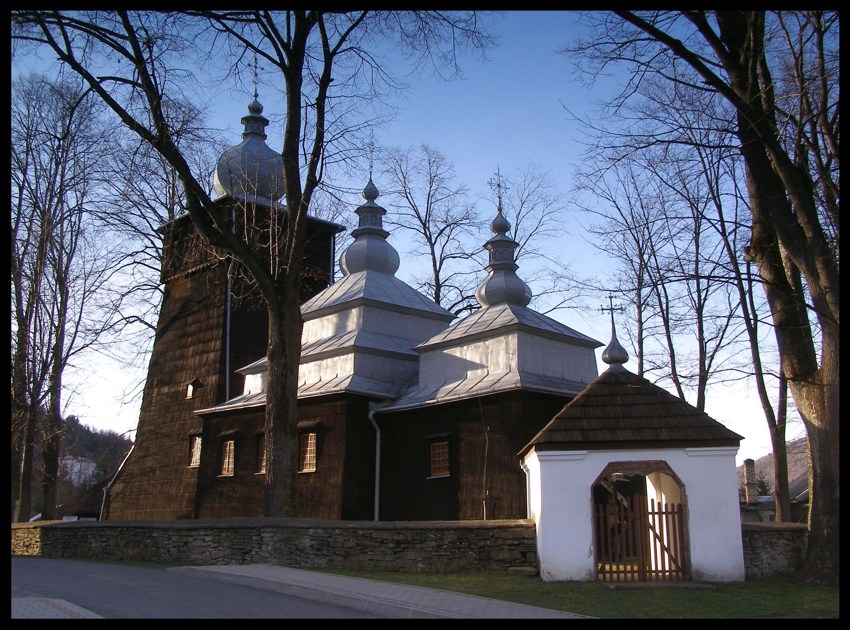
405	414
394	401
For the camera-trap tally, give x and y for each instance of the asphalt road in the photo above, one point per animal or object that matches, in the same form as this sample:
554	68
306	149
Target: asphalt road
120	591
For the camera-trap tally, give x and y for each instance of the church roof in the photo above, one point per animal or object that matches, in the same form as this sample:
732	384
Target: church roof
251	170
620	410
482	384
371	286
504	346
359	333
506	316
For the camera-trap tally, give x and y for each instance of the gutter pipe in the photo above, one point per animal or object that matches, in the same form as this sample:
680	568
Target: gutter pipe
377	463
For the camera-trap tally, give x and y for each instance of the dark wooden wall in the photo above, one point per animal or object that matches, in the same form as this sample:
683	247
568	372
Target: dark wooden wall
484	437
156	481
341	487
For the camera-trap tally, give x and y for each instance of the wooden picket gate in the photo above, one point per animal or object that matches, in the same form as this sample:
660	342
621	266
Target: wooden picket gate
636	541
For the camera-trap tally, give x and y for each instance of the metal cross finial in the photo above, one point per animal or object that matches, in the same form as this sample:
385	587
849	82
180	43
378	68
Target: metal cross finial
498	185
371	147
256	76
611	308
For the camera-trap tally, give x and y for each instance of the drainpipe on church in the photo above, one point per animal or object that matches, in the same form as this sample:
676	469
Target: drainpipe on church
227	313
377	462
114	477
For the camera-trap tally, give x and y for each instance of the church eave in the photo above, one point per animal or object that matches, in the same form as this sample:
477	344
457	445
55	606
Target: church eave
626	445
459	394
360	301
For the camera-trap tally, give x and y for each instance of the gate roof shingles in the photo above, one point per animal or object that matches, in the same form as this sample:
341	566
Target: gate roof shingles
620	410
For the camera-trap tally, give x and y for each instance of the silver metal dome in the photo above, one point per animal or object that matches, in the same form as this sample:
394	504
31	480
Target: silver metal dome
502	284
251	170
370	249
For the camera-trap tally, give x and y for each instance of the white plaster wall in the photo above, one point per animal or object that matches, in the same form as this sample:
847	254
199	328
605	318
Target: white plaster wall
663	489
414	326
480	358
561	507
560	504
556	359
325	369
331	325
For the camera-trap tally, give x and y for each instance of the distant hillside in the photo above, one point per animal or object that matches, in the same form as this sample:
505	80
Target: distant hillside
797	464
106	448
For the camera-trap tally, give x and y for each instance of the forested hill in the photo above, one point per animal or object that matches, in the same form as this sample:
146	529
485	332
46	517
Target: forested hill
797	464
105	448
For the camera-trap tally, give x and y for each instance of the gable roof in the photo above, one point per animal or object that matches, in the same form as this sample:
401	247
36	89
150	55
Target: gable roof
372	287
620	410
507	316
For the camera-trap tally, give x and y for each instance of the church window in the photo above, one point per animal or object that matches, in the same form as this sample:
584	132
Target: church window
192	388
228	457
195	451
439	458
307	452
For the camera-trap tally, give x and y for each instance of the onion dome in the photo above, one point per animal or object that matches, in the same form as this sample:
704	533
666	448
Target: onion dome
502	284
614	354
370	249
251	170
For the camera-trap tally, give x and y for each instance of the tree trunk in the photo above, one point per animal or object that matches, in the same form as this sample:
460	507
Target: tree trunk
23	510
780	455
815	389
50	480
780	201
819	398
284	353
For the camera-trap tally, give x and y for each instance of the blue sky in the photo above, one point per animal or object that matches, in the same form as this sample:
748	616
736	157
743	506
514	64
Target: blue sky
506	113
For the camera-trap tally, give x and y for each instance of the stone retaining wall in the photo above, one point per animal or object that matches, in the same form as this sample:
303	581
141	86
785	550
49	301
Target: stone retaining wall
412	547
773	548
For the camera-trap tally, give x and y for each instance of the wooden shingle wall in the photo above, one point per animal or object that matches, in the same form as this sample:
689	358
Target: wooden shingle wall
156	482
484	436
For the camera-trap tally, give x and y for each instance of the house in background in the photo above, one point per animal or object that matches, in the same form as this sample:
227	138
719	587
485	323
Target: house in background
78	471
761	508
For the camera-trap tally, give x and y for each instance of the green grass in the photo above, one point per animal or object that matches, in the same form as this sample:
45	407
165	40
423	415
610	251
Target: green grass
776	598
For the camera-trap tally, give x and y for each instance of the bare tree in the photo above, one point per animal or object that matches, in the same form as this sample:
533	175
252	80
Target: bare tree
136	62
537	211
786	129
687	152
57	268
140	193
448	231
628	225
441	220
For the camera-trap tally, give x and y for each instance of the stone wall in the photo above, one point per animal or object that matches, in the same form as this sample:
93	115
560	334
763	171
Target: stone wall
773	548
413	547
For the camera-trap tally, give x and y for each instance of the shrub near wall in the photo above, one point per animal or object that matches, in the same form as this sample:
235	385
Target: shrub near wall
414	547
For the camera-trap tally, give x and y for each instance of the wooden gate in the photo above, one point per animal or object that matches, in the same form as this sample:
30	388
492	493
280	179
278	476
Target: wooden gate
639	541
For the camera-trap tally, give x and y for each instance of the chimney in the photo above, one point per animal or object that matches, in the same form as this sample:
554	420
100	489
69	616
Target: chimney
750	487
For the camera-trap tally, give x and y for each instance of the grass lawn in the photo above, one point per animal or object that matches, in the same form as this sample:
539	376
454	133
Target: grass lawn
775	598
